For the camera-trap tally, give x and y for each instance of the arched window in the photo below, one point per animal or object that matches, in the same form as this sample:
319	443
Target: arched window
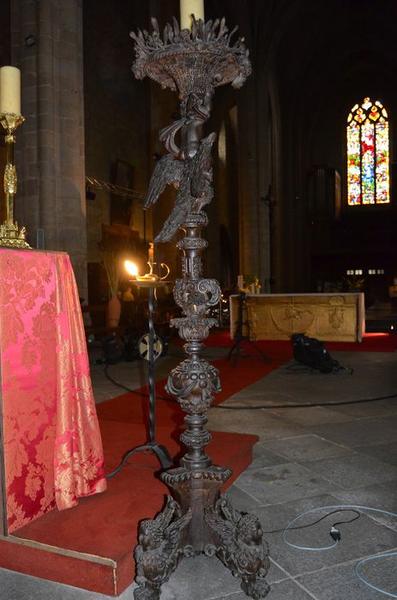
368	180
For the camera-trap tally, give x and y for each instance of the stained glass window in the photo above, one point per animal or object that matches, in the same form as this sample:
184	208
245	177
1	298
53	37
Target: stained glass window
368	180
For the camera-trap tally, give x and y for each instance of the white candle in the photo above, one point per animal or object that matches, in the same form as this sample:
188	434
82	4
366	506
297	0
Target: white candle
151	252
189	8
10	90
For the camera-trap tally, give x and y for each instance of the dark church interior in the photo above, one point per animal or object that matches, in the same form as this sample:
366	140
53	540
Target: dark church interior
301	236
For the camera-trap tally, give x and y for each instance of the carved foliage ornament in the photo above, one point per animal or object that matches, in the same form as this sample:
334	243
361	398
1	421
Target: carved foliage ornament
194	382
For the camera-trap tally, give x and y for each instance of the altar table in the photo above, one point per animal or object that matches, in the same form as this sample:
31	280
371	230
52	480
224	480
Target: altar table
328	317
51	450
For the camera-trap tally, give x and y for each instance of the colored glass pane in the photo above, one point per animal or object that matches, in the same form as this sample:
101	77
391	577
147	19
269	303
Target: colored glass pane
382	163
353	166
368	177
367	163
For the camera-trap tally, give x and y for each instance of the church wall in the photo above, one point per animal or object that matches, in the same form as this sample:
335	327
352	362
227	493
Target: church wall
319	59
46	40
117	112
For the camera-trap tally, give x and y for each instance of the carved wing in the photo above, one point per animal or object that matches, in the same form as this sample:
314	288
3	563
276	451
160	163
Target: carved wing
167	171
202	167
176	528
221	527
174	221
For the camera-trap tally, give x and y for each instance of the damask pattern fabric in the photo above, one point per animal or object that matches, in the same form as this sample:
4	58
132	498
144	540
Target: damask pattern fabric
52	444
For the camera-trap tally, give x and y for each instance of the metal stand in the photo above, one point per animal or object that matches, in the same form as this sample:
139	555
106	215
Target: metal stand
151	445
239	336
197	519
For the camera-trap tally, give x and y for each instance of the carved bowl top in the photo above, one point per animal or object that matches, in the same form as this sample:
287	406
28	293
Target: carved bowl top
187	61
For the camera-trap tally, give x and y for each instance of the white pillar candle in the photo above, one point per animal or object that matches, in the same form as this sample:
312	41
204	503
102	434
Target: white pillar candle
10	90
151	252
189	8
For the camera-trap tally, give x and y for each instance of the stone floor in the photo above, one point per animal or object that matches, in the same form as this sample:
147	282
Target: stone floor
306	458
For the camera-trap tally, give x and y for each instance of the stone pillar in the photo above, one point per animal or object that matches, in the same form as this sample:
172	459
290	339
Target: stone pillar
254	179
47	47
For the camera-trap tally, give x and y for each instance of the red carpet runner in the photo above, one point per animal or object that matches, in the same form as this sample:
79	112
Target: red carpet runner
97	537
92	543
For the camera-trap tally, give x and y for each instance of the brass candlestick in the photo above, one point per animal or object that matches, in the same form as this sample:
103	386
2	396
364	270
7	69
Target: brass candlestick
11	236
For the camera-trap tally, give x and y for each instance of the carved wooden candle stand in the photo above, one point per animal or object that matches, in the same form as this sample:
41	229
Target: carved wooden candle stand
197	519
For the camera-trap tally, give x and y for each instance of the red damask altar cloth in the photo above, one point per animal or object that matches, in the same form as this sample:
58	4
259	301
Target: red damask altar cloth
52	444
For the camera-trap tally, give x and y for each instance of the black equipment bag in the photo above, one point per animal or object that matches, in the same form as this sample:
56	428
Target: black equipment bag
313	354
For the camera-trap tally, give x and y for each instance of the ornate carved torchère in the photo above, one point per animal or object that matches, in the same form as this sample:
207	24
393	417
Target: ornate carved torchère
197	519
11	235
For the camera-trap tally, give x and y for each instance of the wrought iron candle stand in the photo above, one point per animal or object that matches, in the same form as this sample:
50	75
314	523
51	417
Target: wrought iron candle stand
197	519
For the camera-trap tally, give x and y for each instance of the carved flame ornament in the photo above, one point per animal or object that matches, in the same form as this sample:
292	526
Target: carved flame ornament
197	519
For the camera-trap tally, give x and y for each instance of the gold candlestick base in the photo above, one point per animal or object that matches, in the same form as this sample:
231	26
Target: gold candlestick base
11	236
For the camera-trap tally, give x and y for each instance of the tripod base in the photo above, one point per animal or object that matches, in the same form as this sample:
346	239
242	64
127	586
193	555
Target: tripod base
160	451
236	349
201	521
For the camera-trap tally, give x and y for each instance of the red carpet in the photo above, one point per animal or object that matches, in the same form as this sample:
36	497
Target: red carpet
105	526
94	541
372	342
99	534
133	409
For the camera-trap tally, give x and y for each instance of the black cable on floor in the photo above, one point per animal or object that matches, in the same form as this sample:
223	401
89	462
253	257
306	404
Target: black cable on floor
257	407
357	516
274	406
127	389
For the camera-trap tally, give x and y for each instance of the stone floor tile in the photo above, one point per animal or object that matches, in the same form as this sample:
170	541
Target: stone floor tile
353	470
285	590
282	483
241	500
200	578
380	496
360	538
263	457
305	447
360	432
385	452
316	416
261	424
341	583
380	408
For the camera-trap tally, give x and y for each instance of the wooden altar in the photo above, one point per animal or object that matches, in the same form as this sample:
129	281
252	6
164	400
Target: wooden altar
328	317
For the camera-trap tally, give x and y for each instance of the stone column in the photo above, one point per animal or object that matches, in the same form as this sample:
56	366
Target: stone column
47	47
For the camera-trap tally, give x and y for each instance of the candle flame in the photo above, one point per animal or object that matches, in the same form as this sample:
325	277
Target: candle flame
131	268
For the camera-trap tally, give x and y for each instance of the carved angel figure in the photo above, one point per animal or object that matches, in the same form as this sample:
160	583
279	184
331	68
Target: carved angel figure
159	549
239	544
192	177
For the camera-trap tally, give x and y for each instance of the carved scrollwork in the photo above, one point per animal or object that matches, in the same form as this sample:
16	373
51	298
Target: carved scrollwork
192	266
193	329
239	544
10	179
194	382
195	439
195	243
195	296
182	475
